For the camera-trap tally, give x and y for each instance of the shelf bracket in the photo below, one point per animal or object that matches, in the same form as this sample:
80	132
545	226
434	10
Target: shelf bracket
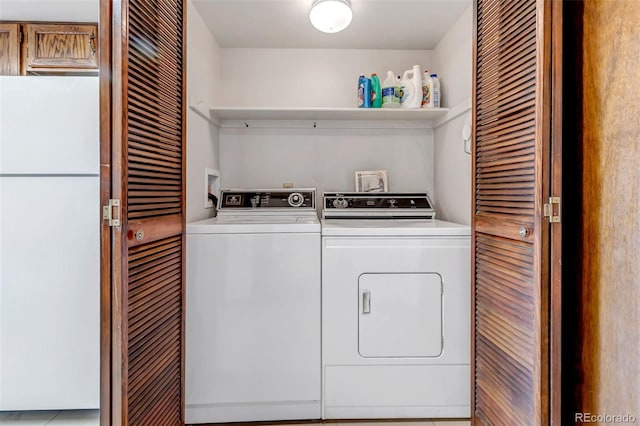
202	110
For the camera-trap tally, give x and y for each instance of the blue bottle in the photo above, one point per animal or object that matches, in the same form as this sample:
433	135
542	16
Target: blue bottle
364	92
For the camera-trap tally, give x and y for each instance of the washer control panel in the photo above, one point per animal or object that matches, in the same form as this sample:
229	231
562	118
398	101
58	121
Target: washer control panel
268	198
377	205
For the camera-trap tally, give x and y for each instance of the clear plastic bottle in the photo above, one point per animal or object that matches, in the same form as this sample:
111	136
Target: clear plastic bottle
435	90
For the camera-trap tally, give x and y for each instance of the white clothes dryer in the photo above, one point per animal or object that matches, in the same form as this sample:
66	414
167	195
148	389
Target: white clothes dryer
395	309
253	309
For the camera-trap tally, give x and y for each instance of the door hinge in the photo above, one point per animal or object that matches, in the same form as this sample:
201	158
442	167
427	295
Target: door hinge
20	37
549	210
108	212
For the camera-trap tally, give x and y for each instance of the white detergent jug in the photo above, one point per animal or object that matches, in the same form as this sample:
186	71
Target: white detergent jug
411	88
390	91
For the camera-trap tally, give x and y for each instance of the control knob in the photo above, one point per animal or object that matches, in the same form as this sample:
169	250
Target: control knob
296	199
340	203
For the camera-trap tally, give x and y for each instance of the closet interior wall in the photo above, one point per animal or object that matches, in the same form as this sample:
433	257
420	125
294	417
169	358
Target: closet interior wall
268	154
204	67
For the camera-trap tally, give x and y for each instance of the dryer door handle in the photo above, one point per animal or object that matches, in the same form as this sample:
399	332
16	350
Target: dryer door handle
366	302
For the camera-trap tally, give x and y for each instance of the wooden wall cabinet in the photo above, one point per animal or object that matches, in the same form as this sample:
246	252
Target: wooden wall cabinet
9	49
48	48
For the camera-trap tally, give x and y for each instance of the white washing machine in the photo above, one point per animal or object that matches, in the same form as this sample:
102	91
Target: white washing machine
253	309
395	309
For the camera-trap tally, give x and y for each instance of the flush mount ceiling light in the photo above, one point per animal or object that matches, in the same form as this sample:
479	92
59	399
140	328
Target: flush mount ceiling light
331	16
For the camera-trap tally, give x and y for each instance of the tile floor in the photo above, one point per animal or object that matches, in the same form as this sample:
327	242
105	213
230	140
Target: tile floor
50	418
434	422
92	418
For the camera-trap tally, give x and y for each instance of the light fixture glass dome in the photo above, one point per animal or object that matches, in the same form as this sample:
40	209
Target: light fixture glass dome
331	16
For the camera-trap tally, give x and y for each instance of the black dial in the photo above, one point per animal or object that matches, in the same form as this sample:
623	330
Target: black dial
340	203
296	199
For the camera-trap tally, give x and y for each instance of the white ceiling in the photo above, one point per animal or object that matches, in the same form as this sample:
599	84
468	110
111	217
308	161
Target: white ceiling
49	10
377	24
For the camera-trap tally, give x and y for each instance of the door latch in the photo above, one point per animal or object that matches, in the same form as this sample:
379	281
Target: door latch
108	212
549	210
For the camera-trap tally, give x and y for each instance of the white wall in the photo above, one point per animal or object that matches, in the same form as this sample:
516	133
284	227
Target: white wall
452	173
49	10
203	86
307	77
322	158
452	60
325	159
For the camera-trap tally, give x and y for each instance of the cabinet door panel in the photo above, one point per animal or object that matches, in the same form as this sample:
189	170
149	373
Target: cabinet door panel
60	47
9	49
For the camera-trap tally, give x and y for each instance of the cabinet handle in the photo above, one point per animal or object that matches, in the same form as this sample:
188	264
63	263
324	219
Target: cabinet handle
92	38
366	302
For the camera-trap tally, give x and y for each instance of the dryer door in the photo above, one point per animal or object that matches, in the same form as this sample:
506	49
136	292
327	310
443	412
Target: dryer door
400	315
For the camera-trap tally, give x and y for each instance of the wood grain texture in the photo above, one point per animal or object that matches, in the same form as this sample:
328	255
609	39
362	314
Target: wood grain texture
9	49
60	47
148	176
611	223
104	50
154	203
556	237
511	166
154	332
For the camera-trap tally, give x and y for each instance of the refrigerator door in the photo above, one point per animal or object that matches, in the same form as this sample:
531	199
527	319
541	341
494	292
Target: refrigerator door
49	293
49	125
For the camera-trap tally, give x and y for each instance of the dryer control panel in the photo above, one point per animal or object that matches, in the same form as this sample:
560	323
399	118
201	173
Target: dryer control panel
354	205
267	199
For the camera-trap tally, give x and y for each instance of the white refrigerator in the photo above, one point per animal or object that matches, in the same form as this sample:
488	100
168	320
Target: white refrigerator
49	243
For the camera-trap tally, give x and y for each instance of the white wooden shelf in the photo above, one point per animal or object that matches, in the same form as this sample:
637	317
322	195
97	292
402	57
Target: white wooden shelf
220	114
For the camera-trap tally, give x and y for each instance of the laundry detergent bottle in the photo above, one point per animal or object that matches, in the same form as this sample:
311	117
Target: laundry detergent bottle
376	91
390	91
426	90
411	88
364	92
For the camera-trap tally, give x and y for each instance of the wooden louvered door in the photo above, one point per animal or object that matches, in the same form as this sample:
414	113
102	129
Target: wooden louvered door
511	236
148	116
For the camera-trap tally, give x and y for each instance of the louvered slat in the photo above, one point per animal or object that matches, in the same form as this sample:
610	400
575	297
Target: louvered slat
154	331
155	108
507	101
504	324
154	198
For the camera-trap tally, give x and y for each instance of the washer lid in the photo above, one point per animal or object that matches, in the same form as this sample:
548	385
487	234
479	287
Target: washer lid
255	224
397	227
